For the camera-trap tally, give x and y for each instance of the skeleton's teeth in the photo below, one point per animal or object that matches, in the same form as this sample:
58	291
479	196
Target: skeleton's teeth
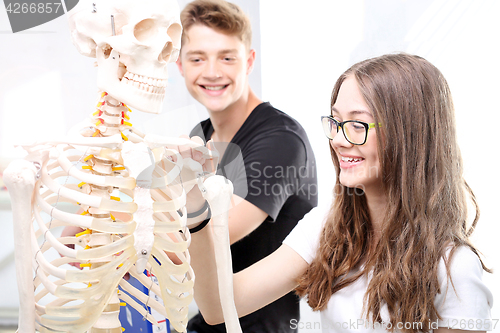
214	88
149	84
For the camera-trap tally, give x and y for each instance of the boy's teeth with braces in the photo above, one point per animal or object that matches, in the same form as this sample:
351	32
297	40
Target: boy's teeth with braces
350	159
214	88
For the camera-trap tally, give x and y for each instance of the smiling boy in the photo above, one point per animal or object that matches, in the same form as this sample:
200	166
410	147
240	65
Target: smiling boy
279	183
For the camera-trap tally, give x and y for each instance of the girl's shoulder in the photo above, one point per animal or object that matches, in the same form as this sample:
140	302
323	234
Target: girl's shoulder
463	295
464	267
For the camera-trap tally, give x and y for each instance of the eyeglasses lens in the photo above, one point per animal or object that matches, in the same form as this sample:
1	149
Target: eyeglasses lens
355	132
329	127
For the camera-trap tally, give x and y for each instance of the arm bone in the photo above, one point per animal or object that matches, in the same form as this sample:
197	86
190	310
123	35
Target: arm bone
20	180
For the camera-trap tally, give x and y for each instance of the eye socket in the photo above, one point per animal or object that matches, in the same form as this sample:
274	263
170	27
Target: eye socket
145	30
166	52
174	32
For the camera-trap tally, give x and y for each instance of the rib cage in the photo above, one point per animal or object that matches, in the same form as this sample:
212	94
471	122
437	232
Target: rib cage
90	174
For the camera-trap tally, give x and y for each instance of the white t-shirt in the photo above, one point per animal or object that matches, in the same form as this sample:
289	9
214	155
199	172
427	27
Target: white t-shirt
469	308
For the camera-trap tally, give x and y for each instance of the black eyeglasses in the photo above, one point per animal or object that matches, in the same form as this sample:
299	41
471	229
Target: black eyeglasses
355	131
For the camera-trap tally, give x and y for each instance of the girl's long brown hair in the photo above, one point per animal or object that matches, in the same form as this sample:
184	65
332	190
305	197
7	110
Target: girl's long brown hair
422	172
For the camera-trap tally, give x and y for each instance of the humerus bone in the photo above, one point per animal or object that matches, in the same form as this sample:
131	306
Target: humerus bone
20	179
218	194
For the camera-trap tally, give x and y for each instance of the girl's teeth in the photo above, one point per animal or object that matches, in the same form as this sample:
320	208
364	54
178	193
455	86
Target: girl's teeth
350	159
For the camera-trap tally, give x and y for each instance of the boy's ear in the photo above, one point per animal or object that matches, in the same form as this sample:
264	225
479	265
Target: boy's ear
250	61
179	65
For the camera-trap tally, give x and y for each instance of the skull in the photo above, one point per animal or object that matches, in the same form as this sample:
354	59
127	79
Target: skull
133	41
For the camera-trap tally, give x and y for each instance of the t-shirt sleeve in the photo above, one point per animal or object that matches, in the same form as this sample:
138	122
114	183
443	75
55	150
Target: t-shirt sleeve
304	238
466	302
274	166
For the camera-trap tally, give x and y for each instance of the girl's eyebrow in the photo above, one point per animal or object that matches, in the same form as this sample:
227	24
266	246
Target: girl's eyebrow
354	112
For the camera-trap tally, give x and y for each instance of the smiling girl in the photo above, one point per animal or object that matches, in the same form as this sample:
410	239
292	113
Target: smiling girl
395	253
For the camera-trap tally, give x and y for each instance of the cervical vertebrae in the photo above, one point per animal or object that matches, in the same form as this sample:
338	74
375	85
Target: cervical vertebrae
111	117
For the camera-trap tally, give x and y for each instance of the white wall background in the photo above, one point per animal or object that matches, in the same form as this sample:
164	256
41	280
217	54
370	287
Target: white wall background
46	86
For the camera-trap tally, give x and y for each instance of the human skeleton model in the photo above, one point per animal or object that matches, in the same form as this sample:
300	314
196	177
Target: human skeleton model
130	188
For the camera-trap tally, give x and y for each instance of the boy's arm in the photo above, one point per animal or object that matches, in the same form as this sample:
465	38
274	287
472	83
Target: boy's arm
244	218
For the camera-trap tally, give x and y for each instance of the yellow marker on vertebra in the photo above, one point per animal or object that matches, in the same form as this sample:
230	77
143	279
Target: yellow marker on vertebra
96	133
124	137
87	167
118	168
114	198
123	304
87	247
126	123
112	217
85	212
81	184
85	265
86	232
126	116
123	330
98	123
88	158
96	113
99	104
89	285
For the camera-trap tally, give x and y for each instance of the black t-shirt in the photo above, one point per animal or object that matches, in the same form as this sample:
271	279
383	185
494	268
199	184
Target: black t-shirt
272	166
